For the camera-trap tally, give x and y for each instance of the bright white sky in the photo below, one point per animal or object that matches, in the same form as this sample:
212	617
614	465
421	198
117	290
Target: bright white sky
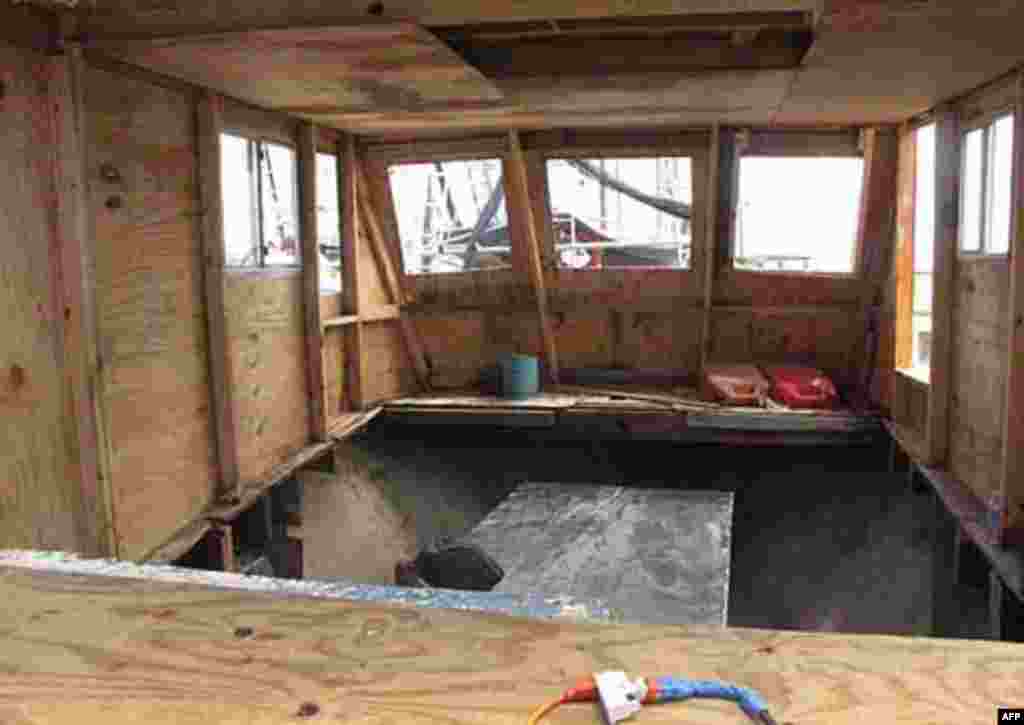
803	207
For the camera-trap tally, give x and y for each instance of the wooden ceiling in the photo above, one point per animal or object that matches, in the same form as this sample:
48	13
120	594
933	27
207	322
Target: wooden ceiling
407	66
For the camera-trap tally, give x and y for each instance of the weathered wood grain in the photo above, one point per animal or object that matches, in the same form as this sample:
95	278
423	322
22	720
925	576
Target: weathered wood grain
78	648
210	124
39	476
903	292
144	209
518	201
947	213
320	72
353	255
977	418
267	352
76	278
314	334
1012	475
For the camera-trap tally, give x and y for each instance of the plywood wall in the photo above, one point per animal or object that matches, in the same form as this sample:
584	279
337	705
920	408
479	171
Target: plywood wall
909	404
978	397
143	204
267	358
39	493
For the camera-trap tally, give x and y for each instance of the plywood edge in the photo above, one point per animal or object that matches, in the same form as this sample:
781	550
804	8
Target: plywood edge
179	544
911	443
253	491
345	426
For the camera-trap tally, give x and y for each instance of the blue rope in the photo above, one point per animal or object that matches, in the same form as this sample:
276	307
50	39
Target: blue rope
674	689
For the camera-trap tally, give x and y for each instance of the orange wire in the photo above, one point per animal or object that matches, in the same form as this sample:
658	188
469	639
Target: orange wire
543	710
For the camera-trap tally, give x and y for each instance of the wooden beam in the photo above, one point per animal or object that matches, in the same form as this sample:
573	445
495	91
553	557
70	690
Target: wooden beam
210	118
709	245
75	285
1012	483
392	280
381	313
230	510
351	239
725	208
314	334
179	544
903	258
221	551
868	140
339	321
349	425
517	190
875	233
947	213
375	235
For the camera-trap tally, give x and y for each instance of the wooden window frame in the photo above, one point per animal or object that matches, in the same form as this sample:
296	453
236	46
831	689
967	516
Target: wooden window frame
985	123
691	153
794	144
386	156
254	144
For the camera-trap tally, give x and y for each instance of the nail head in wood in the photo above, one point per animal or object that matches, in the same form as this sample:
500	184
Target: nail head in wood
110	174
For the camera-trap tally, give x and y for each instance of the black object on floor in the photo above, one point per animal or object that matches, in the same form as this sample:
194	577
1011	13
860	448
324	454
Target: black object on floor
451	565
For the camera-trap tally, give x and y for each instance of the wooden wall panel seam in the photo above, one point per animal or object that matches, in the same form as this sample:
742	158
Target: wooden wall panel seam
83	365
210	125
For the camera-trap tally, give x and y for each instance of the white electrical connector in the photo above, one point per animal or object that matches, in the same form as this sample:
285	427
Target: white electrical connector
620	697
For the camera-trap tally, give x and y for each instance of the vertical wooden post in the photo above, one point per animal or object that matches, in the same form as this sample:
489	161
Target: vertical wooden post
709	244
1012	483
947	213
311	281
210	124
875	234
75	293
904	253
351	239
220	543
517	189
728	190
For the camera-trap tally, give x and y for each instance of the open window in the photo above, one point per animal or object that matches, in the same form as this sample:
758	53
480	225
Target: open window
451	215
987	177
798	214
328	223
621	213
260	199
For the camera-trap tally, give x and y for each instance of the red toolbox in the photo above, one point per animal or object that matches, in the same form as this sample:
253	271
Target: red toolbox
739	385
802	388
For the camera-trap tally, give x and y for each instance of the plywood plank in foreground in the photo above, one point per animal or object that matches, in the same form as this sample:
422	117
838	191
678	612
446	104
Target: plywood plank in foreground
80	649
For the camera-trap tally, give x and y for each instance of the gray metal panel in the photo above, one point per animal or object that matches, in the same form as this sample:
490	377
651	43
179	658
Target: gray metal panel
653	555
